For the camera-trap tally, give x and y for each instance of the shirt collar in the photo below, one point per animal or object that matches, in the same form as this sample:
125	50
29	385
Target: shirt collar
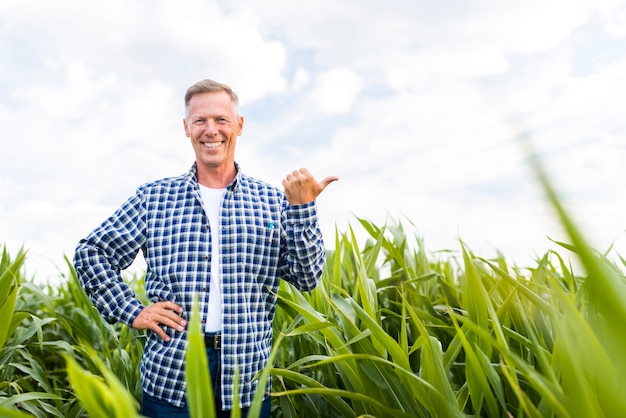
192	176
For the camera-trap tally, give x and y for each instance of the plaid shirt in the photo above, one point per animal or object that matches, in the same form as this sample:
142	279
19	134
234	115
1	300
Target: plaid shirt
263	239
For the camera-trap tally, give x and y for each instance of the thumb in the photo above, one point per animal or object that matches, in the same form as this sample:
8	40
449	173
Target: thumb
327	181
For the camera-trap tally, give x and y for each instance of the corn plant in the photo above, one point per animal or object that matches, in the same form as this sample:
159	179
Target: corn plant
468	337
103	394
9	282
50	324
391	331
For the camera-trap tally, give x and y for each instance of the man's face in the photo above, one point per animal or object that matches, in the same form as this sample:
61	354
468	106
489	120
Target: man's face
213	129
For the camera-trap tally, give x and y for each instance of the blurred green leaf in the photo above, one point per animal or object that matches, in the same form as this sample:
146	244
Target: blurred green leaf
200	400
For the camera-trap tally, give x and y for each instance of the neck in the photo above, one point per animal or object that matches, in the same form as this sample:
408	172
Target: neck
216	177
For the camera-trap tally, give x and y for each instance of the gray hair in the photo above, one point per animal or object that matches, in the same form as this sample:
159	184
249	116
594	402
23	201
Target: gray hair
210	86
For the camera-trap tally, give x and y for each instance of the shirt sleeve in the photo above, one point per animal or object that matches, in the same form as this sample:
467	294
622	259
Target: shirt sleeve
103	254
302	258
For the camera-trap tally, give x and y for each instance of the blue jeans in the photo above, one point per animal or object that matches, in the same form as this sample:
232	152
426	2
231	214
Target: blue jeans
156	408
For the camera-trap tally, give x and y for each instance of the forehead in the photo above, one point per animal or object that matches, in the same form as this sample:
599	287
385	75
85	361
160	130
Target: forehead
210	102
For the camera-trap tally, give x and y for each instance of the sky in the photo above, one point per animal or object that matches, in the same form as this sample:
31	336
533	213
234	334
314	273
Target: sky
418	106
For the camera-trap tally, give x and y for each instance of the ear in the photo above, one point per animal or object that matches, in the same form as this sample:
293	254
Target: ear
186	127
240	125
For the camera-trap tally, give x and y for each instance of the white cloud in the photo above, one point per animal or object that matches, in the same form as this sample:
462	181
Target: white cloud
415	105
526	28
336	91
300	79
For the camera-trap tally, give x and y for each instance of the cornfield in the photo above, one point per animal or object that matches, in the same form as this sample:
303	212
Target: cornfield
392	331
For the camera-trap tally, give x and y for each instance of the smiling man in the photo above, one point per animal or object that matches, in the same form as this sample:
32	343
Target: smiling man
213	123
215	233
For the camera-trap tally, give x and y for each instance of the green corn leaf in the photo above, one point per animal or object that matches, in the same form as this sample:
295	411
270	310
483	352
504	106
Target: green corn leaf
12	413
8	291
6	313
433	372
103	396
607	315
200	401
27	397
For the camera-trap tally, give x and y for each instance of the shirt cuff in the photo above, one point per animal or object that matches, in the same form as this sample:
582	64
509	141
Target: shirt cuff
129	311
306	212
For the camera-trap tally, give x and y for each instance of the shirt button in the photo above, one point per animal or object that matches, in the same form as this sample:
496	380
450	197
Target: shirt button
206	257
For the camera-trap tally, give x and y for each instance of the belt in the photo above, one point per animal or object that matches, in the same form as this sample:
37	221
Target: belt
213	341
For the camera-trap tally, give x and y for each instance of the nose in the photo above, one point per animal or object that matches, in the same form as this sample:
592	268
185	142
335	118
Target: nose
211	128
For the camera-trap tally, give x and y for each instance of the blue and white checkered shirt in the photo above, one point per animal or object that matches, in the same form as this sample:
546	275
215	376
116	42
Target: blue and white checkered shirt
263	239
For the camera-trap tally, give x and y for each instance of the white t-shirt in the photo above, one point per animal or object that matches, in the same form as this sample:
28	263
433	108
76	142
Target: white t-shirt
212	199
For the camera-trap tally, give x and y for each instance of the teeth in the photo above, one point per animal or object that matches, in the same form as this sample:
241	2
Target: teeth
212	144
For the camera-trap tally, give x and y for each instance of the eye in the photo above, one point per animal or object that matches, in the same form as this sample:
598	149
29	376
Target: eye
199	121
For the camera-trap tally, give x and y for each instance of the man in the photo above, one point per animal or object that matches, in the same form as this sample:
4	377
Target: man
214	233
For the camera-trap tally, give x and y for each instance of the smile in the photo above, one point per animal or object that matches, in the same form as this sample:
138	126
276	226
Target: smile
212	144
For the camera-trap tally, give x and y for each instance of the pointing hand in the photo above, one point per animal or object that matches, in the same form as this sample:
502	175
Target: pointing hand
301	187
